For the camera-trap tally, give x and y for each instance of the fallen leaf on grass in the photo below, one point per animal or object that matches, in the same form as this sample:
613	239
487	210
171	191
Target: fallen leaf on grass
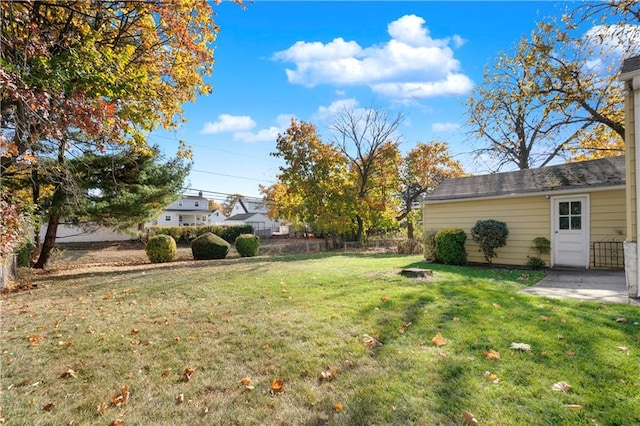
338	407
135	331
545	317
561	386
623	348
35	339
384	298
327	375
469	419
492	354
102	408
49	406
277	386
166	373
117	422
122	399
370	342
496	305
622	320
246	382
492	377
573	407
68	374
180	398
456	319
404	326
188	372
265	346
570	353
438	340
520	346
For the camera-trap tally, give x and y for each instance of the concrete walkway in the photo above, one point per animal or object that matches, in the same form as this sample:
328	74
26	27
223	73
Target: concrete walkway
591	285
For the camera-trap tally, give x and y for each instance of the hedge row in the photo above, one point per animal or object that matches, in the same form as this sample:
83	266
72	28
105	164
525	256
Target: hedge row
186	234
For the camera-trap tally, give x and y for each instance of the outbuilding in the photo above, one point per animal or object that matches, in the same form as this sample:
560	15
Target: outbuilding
579	207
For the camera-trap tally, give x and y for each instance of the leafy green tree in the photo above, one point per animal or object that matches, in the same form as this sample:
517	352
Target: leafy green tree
313	186
118	190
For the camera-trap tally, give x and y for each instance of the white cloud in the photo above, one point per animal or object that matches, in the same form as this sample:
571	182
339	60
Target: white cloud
241	128
326	113
228	123
444	127
263	135
411	64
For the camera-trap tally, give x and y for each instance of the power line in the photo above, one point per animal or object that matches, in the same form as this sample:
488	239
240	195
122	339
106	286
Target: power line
214	149
232	176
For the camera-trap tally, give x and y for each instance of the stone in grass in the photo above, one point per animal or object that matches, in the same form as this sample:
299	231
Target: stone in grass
416	272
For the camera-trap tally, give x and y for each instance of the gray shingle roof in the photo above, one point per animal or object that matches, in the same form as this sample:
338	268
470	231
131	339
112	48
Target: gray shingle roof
242	216
631	64
583	175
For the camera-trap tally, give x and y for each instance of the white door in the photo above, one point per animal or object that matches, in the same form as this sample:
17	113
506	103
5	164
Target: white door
570	245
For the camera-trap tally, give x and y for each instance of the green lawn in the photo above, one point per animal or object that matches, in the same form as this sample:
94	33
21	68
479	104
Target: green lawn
70	345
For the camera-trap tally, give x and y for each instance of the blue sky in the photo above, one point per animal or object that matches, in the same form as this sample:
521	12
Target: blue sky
276	60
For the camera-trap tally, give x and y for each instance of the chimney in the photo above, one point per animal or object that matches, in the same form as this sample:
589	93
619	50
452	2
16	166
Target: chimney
200	194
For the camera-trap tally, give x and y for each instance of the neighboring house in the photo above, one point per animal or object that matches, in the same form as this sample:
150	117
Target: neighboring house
253	212
216	217
630	76
190	210
579	207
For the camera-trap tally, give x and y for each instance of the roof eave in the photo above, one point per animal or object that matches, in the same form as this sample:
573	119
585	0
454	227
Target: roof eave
553	192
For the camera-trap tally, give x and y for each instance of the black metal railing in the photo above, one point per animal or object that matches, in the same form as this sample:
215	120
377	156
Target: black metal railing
607	254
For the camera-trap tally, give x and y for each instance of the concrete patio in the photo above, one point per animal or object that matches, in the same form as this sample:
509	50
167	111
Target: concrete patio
584	284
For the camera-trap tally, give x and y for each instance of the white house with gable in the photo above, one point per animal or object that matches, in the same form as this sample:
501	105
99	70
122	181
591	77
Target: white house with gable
190	210
253	211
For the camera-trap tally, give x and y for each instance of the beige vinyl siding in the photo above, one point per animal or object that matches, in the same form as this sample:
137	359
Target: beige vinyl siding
526	219
630	164
608	218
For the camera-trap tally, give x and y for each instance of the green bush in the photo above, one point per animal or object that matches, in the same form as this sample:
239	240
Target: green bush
430	245
541	245
247	245
186	234
489	235
24	254
450	246
534	262
161	248
209	246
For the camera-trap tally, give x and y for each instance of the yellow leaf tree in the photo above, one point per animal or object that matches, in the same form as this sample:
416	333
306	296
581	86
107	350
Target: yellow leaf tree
423	168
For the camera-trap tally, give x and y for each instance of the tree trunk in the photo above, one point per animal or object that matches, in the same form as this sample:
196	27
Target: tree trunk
359	230
49	241
409	228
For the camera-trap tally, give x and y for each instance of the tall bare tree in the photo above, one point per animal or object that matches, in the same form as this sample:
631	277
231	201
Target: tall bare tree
369	139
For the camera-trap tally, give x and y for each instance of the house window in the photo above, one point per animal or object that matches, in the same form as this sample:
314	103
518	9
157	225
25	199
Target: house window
196	203
570	215
167	218
180	218
180	203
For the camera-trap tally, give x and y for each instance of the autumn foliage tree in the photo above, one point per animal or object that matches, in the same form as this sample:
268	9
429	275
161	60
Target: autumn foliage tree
423	168
558	94
313	187
77	77
369	140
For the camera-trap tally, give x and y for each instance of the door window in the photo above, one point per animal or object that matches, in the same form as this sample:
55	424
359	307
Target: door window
570	215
